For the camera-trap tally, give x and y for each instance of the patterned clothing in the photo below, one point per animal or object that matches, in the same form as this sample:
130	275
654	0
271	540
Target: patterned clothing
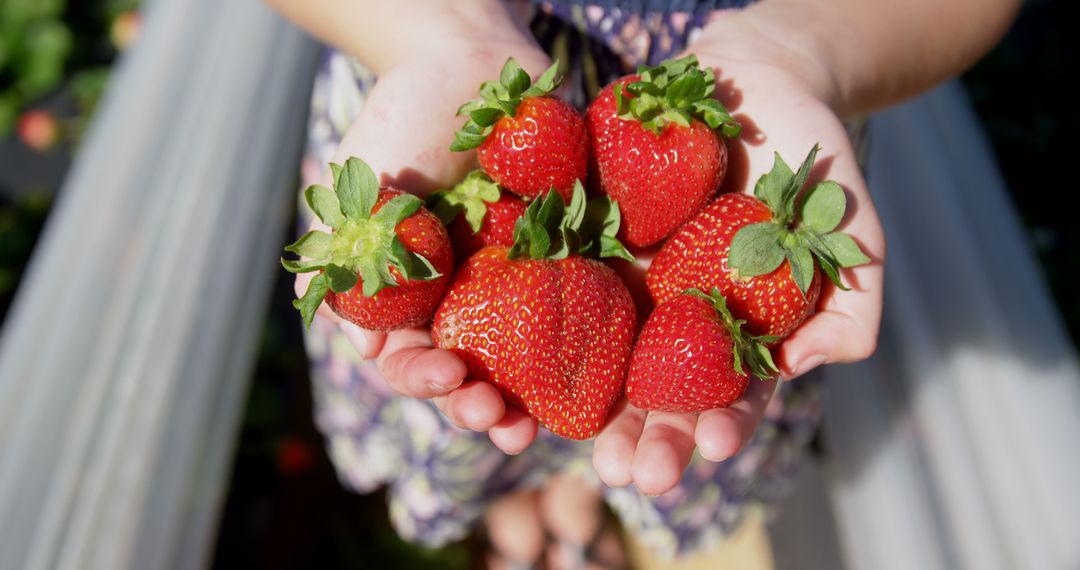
441	478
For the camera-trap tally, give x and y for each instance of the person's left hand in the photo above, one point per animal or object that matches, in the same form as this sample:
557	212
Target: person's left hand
780	112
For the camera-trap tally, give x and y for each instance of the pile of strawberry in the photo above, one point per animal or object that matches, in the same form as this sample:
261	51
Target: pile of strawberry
529	306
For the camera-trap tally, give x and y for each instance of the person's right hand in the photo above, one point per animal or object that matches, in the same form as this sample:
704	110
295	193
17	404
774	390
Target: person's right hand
403	132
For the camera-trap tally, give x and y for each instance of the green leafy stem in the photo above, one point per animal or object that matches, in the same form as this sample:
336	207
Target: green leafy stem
801	231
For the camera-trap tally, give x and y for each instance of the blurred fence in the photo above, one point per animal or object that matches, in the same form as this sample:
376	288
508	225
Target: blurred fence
124	363
958	444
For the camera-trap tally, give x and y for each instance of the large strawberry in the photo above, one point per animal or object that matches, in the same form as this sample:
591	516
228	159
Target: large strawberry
655	146
527	140
692	356
477	214
387	261
762	253
550	328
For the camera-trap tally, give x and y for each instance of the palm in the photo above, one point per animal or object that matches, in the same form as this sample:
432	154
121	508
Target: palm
403	131
651	449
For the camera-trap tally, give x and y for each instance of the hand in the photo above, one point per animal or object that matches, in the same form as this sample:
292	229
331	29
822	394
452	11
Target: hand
780	111
404	132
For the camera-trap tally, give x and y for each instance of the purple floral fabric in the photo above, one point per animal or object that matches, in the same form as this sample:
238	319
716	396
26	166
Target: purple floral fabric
441	478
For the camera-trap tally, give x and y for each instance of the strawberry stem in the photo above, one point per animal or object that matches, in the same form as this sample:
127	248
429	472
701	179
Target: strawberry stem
550	229
363	246
500	99
675	91
750	351
801	230
471	196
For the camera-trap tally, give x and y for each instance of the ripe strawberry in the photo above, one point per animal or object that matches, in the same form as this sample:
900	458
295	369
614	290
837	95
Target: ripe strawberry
38	129
529	141
760	252
488	216
125	29
386	264
548	327
692	356
654	146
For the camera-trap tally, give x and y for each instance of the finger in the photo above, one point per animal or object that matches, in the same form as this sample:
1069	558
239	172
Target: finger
722	432
460	408
514	432
367	343
413	368
441	403
664	451
475	405
845	329
613	451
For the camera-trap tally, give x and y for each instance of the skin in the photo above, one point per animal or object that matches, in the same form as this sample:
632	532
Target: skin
786	70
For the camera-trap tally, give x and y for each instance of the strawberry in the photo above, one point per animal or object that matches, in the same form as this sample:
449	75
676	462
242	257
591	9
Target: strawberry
655	148
692	356
488	216
762	252
550	328
527	140
386	263
38	129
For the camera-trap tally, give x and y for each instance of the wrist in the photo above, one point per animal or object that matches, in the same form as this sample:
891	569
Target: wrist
786	40
478	35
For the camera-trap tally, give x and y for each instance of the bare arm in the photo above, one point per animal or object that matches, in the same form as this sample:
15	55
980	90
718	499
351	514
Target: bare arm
383	34
858	55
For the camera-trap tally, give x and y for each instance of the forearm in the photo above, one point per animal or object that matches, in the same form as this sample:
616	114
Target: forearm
383	34
860	55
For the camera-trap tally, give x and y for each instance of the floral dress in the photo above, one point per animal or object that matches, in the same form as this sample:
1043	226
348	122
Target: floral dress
440	478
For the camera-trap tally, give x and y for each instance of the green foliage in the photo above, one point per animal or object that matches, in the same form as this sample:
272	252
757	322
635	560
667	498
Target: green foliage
34	46
44	44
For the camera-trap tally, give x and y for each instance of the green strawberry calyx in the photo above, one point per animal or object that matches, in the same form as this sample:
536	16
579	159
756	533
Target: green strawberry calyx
751	352
676	91
363	246
802	230
470	196
500	99
552	229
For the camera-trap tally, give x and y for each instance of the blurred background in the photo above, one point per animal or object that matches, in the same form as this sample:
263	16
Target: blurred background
280	505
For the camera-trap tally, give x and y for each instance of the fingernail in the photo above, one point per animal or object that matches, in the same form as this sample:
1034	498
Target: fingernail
713	459
809	363
441	388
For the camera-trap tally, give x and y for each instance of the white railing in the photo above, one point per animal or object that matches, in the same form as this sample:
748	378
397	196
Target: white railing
958	445
125	359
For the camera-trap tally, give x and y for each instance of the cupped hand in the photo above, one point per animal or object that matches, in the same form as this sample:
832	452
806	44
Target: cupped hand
403	132
780	112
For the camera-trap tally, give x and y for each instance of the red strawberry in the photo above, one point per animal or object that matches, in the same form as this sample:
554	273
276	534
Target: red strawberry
550	328
529	141
386	264
38	129
655	148
477	214
759	253
692	356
